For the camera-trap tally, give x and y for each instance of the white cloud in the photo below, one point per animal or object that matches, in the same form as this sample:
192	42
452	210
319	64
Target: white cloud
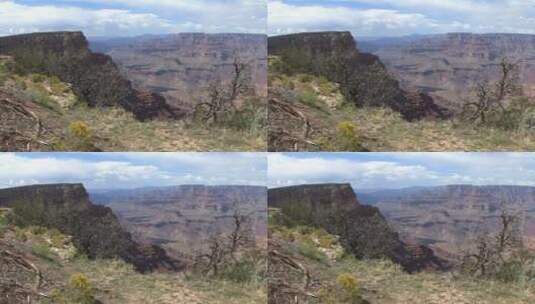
128	18
131	170
17	18
285	169
403	169
397	18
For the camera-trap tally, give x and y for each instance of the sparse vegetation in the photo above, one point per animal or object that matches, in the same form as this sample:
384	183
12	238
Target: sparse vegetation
383	129
241	128
501	256
346	279
227	254
79	280
43	251
501	104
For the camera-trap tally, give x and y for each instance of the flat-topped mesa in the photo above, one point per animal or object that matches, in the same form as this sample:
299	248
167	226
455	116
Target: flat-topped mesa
362	77
94	77
95	230
319	43
363	230
318	196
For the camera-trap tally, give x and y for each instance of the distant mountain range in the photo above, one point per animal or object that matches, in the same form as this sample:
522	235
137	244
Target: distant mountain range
448	66
182	218
182	66
448	218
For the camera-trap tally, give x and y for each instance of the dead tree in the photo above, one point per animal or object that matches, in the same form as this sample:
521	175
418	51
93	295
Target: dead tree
223	249
221	96
493	97
494	251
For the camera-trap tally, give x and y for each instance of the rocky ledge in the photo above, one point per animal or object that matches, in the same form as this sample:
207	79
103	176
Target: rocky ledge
94	77
363	230
95	230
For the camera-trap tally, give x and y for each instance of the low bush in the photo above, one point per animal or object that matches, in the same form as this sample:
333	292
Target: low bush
305	78
43	98
311	251
346	290
78	137
252	118
346	138
311	99
239	272
43	251
77	291
38	78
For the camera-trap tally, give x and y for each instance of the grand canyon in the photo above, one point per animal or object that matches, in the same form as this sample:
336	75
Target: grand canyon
338	91
183	218
449	66
149	239
169	89
450	218
182	67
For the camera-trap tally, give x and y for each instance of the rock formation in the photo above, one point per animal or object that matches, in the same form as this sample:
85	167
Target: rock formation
448	66
95	230
183	218
447	218
182	66
363	230
362	77
94	77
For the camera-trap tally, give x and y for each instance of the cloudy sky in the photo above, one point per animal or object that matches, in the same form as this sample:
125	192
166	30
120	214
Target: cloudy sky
401	17
130	170
132	17
398	170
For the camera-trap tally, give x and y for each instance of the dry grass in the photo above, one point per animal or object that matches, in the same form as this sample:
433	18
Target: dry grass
382	129
383	282
117	130
114	129
114	281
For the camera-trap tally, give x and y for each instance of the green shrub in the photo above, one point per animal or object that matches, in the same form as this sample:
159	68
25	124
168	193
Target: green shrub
37	230
310	98
4	223
43	99
38	78
305	78
79	137
252	118
57	86
20	83
43	251
239	272
20	234
79	129
310	250
326	86
346	290
57	238
4	73
77	291
347	138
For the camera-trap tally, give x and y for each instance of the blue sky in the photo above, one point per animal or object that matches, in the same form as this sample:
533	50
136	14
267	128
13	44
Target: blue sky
398	170
362	170
401	17
131	170
133	17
